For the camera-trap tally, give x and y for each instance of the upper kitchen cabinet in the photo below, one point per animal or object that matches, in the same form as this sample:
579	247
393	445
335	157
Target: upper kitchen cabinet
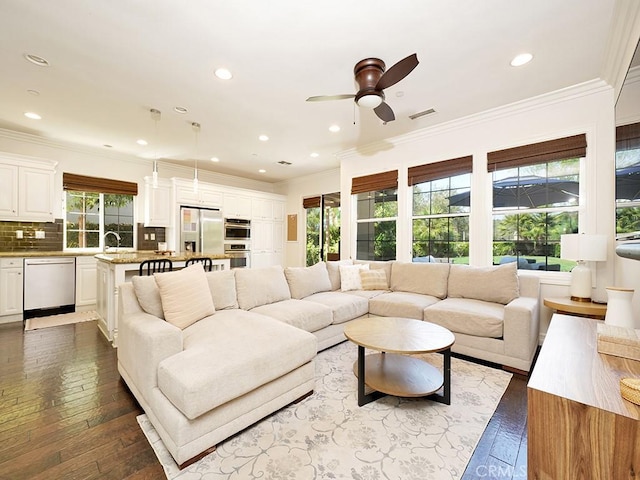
267	209
158	203
236	206
27	187
204	196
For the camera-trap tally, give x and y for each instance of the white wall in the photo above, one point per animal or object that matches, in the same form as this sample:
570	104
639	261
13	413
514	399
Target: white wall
586	108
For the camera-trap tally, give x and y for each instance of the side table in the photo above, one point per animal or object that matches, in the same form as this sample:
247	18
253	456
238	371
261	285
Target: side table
564	305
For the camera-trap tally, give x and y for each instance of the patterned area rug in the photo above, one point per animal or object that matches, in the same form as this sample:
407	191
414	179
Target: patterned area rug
328	436
62	319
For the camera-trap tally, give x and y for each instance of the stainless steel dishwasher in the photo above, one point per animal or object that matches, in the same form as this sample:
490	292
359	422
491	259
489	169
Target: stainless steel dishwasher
49	286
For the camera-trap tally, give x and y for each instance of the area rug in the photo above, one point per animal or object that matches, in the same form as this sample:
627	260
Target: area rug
62	319
327	436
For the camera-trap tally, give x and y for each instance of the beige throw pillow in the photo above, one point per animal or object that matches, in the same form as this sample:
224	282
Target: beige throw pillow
350	277
305	281
222	285
491	284
148	295
185	295
373	279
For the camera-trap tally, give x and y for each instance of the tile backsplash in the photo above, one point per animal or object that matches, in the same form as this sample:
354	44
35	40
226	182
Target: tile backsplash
148	237
52	241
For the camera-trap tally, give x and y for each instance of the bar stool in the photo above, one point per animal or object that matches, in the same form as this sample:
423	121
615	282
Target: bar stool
149	267
205	261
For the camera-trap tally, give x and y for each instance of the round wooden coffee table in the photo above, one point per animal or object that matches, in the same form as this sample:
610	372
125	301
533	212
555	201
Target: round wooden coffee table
393	371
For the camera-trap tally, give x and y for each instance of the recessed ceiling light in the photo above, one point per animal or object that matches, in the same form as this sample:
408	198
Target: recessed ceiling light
35	93
521	59
215	159
180	110
33	116
223	74
36	60
315	155
262	170
334	128
140	141
263	138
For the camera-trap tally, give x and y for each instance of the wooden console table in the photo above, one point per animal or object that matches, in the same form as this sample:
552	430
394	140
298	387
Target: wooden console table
579	426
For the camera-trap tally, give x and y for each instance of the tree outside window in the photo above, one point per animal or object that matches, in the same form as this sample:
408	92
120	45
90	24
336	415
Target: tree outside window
628	181
376	229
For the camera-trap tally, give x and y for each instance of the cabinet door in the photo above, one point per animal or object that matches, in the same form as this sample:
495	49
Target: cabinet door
186	196
157	206
35	199
278	210
261	208
9	189
11	290
209	197
86	281
237	206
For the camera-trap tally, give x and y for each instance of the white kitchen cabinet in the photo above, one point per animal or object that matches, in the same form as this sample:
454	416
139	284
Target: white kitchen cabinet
261	208
158	204
11	286
267	243
278	210
236	206
86	281
205	196
27	187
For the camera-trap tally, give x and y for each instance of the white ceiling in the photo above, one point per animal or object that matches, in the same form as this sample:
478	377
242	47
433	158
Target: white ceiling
112	61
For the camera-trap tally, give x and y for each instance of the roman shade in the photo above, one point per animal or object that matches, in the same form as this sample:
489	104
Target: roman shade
311	202
438	170
82	183
628	137
559	149
375	182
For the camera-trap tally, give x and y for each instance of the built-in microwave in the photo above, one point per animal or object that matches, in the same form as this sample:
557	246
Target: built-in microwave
237	229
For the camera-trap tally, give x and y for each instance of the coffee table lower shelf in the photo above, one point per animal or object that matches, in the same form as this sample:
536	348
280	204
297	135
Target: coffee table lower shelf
401	376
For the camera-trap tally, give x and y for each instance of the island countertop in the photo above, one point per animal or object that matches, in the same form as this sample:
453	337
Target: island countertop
142	255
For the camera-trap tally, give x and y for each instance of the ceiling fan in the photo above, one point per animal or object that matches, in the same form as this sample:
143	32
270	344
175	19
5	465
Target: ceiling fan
371	77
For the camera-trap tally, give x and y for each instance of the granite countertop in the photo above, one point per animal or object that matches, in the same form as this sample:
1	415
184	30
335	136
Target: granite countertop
141	255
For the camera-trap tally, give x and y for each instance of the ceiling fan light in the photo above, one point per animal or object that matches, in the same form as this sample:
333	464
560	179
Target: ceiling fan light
369	101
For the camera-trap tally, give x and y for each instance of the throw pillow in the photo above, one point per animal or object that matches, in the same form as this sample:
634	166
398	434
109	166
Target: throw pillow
185	295
373	280
350	277
222	285
305	281
148	295
333	268
491	284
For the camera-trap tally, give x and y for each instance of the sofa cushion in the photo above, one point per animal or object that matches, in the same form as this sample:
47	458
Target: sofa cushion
424	278
185	295
469	316
401	304
148	295
373	280
305	281
229	356
385	266
333	268
308	316
350	277
344	306
261	286
222	285
491	284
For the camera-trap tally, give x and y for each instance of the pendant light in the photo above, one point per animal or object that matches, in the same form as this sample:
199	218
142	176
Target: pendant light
196	129
155	116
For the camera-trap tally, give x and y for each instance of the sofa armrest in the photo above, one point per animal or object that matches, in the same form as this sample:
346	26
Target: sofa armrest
143	342
521	327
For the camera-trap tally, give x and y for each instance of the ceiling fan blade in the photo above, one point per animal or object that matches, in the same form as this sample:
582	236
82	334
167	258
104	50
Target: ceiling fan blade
384	112
397	72
323	98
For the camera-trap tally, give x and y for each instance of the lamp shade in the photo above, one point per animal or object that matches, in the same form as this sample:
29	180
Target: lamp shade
583	247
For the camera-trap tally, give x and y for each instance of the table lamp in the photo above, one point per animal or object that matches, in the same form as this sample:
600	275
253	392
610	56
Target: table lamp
582	248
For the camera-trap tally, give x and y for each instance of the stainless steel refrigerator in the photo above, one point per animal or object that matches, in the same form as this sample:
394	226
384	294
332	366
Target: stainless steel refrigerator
201	230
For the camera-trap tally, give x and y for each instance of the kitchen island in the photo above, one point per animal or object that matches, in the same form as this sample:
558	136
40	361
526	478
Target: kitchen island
115	268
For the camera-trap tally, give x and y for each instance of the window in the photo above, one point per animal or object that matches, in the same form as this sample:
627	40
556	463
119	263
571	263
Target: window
440	222
628	181
323	227
377	212
95	207
535	200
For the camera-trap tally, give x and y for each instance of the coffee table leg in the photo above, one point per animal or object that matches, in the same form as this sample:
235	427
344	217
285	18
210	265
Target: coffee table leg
362	398
446	374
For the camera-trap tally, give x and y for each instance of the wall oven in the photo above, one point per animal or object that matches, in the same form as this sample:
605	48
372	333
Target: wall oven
237	229
239	255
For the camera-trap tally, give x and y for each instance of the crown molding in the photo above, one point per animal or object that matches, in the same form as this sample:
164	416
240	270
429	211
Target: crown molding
558	96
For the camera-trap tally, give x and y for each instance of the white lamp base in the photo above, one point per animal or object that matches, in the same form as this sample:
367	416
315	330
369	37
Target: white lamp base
580	283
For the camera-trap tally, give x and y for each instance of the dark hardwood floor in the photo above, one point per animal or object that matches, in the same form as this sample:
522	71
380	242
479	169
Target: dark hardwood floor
66	414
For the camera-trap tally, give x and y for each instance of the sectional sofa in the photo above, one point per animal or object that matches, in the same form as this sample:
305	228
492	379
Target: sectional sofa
208	354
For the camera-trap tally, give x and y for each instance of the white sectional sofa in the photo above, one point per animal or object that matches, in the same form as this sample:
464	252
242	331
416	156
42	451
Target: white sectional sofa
208	354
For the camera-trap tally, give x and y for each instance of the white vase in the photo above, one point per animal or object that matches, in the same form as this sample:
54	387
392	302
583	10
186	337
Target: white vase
619	310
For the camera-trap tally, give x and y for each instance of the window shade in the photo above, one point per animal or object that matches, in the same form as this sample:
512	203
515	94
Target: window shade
560	149
82	183
312	202
372	183
437	170
628	137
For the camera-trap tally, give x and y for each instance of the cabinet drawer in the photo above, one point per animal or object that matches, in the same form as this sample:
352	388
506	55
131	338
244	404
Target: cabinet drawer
10	262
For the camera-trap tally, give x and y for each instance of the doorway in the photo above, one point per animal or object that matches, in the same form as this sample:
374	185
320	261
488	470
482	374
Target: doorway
322	228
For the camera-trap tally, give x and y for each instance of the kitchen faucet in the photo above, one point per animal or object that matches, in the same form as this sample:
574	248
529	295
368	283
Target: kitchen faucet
112	233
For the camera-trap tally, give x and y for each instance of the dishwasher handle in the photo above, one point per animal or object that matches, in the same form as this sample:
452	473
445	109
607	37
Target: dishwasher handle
49	261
